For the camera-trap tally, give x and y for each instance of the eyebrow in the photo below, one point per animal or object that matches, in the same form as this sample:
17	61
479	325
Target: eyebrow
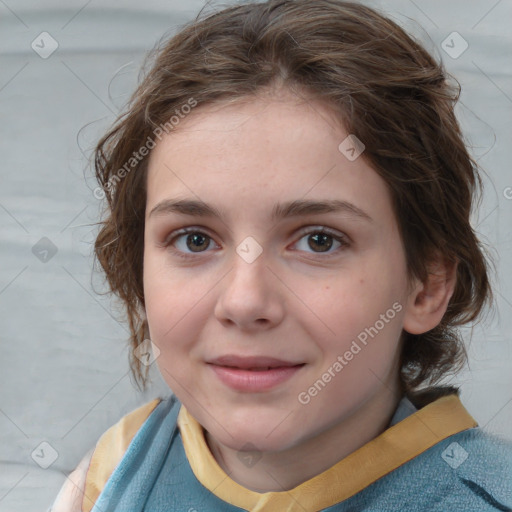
297	208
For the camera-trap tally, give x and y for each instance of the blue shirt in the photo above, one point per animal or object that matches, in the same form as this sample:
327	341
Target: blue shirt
469	470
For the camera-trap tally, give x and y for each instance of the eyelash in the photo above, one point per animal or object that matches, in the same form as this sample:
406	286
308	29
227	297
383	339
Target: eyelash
342	240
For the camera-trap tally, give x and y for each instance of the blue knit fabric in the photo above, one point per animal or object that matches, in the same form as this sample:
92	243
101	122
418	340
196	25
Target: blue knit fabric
468	472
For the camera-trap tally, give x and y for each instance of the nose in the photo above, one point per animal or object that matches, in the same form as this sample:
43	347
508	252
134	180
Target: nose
251	296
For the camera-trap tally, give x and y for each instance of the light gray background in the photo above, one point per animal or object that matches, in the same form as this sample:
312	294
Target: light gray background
64	366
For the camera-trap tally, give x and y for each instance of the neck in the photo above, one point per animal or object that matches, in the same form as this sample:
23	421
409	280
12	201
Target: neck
284	470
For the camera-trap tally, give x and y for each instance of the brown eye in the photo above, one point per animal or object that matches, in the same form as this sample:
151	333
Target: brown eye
321	240
188	241
196	242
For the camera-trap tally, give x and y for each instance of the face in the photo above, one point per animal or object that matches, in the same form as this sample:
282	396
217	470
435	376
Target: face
272	329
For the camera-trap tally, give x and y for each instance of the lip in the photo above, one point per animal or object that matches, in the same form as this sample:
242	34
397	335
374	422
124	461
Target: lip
244	374
246	362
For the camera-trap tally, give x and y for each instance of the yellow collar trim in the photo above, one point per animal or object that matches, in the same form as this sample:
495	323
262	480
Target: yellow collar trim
392	448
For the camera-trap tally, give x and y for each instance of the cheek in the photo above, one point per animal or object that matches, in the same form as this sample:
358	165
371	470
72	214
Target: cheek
169	300
357	306
178	306
171	313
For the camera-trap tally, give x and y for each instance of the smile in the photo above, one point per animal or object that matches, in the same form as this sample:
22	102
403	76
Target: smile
253	374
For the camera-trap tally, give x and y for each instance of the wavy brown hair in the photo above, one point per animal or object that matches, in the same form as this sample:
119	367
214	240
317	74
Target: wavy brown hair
384	87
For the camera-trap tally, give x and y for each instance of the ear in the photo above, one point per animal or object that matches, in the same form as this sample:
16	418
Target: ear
427	303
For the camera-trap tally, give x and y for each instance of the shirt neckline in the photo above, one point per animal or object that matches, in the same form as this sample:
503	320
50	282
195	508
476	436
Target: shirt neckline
404	439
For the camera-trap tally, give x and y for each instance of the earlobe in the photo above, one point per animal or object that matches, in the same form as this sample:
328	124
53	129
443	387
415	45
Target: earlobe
427	303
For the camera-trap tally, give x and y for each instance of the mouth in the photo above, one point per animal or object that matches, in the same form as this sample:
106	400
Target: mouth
252	363
253	374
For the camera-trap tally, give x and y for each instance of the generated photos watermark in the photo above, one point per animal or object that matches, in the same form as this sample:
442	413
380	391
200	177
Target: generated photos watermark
304	397
143	151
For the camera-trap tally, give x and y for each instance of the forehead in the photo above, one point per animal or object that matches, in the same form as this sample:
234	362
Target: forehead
254	154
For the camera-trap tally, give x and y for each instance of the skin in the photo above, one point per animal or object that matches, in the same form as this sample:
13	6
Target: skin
294	302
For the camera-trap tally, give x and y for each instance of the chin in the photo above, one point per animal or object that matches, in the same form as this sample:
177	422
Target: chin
261	437
257	443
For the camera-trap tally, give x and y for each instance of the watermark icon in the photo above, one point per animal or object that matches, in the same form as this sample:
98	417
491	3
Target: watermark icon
143	151
249	249
507	192
351	147
44	455
44	250
304	397
249	455
454	455
147	352
454	45
44	45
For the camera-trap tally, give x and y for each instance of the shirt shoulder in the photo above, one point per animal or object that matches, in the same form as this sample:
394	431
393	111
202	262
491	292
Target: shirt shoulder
482	462
83	486
111	448
477	462
469	471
